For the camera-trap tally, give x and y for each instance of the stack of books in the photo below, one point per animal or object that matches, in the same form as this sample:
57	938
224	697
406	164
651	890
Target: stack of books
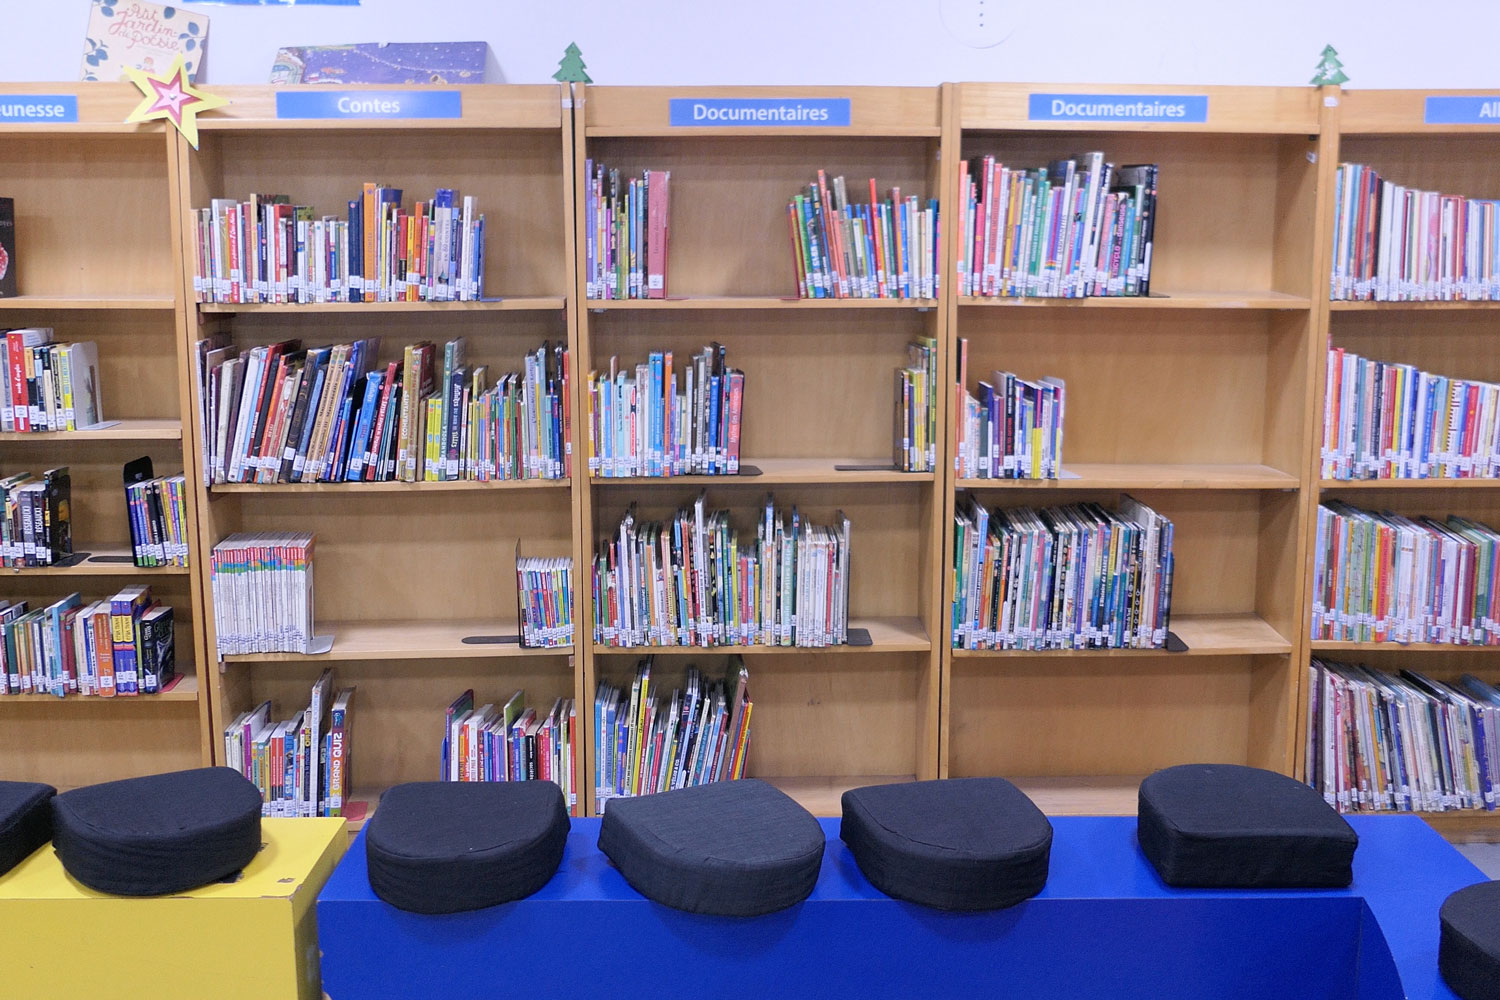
640	425
301	764
269	250
47	386
694	581
512	743
646	741
1404	742
1385	420
114	647
626	233
1013	429
1398	244
1076	227
36	526
157	510
1381	577
880	250
1072	577
917	401
263	592
545	589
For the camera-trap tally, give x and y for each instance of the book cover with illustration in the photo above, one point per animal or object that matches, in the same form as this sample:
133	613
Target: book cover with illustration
147	36
7	248
382	62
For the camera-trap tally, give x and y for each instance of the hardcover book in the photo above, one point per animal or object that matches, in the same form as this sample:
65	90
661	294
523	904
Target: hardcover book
147	36
7	248
382	62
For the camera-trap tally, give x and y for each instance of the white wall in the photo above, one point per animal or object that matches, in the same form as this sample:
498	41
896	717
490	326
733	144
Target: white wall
1383	43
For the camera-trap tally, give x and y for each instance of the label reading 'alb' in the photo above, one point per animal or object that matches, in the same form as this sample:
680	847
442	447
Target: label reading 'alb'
1178	108
1483	110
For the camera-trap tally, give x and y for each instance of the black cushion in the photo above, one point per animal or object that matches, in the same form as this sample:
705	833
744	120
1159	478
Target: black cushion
960	844
25	820
732	848
159	834
1226	826
1469	944
450	846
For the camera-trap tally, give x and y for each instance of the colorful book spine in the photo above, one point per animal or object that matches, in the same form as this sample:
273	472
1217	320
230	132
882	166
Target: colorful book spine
877	250
627	233
510	742
263	593
544	589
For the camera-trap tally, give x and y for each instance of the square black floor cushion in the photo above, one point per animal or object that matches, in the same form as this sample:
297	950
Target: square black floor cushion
1232	827
958	844
451	846
733	848
25	820
1469	942
160	834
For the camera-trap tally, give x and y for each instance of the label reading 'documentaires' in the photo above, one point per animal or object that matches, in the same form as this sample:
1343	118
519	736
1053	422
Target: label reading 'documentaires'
369	104
1178	108
1462	110
38	109
809	112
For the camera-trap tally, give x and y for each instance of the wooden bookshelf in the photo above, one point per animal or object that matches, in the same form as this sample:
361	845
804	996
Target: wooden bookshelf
97	259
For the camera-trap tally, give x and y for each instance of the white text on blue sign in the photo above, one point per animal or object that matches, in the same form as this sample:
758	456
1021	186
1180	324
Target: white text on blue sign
369	104
759	111
1462	110
1118	108
41	109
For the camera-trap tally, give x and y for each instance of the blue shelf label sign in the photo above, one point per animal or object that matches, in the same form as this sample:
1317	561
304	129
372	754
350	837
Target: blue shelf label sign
369	104
775	112
38	109
1462	110
1168	108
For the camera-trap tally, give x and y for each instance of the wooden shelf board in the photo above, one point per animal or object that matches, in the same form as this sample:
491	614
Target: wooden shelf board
184	687
1149	476
407	640
1340	645
56	302
781	471
532	304
1409	484
887	635
1211	299
89	567
1465	826
123	430
457	486
1205	635
1368	305
822	796
757	302
1087	795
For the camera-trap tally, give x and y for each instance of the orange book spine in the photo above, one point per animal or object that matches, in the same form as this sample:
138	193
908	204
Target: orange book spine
371	240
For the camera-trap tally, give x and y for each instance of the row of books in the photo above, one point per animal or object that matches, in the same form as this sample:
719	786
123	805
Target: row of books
627	228
640	425
1382	577
122	645
1077	227
511	742
284	413
1073	577
48	386
1012	429
156	507
545	587
848	250
1386	420
269	250
301	765
695	581
36	525
917	403
1398	244
646	741
263	592
1404	742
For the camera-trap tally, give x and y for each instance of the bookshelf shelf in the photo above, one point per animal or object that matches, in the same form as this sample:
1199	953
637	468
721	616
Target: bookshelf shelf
1361	305
1343	646
1146	476
823	795
118	430
520	304
1205	635
47	303
455	486
887	635
781	472
1084	795
103	560
183	688
1465	826
1339	485
1207	299
756	302
408	640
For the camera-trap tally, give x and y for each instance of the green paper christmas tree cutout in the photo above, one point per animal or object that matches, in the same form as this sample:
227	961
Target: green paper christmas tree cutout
1329	70
571	68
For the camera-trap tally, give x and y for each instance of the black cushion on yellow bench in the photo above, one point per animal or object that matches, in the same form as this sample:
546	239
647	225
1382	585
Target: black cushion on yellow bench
1469	942
25	820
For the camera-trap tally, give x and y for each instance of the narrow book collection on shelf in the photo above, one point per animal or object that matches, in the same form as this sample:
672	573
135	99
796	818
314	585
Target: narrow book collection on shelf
156	507
1407	742
545	589
300	765
917	403
117	646
263	592
1399	244
512	742
693	581
37	529
627	233
1074	228
1012	430
847	250
645	742
48	386
1072	577
269	250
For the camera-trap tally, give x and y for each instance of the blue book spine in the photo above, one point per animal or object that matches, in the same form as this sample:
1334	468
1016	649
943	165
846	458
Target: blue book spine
363	425
713	424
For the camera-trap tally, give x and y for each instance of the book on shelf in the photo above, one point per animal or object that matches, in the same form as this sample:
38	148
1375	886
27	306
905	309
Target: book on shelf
1398	244
627	232
544	592
696	580
1382	577
37	528
267	250
262	586
648	741
146	36
917	402
1403	742
1077	227
1012	429
300	765
48	387
283	413
8	248
156	507
640	424
850	250
1079	576
118	646
512	742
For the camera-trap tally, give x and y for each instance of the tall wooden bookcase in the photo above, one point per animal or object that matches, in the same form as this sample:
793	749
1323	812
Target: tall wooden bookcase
96	259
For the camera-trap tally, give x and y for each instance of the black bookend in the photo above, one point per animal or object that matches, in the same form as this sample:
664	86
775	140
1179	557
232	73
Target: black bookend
1175	643
867	467
858	637
138	471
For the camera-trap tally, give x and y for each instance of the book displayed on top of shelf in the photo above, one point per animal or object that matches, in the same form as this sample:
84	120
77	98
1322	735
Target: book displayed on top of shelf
1078	576
37	529
300	765
640	425
511	742
647	742
544	592
147	36
1398	244
1077	227
116	646
269	250
157	510
1403	742
381	62
917	403
8	248
1012	430
262	586
694	581
880	250
627	227
47	386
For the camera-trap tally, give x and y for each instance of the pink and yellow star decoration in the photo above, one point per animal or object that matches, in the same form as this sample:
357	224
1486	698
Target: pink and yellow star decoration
172	97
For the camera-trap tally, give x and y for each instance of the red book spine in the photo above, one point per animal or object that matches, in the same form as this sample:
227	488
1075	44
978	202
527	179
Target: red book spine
736	401
656	234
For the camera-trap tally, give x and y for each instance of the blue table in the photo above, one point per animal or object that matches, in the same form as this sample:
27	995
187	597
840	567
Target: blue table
1105	926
